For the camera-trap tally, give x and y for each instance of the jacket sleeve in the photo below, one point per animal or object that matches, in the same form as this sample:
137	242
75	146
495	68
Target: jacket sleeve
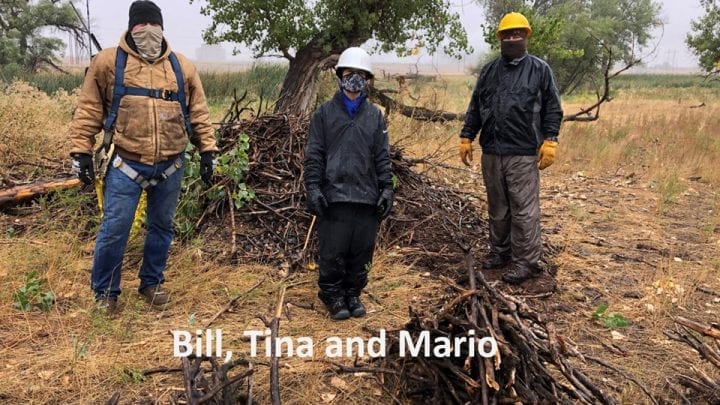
203	134
315	151
383	168
473	121
551	112
88	117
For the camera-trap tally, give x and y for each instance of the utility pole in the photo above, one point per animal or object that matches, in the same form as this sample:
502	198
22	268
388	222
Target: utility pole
90	35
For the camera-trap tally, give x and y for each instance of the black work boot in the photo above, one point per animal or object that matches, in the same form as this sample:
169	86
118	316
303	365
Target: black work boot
155	296
355	306
495	261
337	308
520	273
107	306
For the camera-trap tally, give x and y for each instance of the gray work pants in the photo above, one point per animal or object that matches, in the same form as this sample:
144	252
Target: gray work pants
513	194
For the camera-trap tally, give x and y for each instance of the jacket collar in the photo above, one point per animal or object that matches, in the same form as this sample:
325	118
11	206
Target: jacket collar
515	61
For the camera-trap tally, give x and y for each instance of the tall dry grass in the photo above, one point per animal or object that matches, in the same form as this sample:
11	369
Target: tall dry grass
33	130
665	136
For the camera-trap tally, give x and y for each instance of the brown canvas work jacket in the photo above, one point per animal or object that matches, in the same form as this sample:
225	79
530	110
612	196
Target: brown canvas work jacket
147	130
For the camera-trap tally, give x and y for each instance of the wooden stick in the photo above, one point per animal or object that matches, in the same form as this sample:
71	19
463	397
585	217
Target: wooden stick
275	357
219	387
250	386
188	381
624	375
485	375
309	232
232	303
706	330
231	206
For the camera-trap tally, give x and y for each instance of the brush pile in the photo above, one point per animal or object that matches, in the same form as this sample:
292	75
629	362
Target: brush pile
276	228
531	364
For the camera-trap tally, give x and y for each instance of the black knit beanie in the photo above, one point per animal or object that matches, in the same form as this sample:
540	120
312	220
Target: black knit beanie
144	11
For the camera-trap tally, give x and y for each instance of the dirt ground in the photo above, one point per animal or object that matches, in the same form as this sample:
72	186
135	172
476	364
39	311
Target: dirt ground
613	242
646	261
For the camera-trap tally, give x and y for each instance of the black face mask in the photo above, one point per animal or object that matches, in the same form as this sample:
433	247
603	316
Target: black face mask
511	50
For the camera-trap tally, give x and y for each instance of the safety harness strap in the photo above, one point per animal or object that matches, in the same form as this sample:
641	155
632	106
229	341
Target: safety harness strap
181	92
120	90
143	182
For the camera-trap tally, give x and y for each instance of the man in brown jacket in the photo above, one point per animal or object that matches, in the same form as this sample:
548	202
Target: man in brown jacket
150	102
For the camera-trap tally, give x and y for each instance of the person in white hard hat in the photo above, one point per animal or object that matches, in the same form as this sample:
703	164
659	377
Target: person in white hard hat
348	183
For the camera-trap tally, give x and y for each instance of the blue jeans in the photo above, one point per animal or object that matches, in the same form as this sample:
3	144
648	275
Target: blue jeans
121	199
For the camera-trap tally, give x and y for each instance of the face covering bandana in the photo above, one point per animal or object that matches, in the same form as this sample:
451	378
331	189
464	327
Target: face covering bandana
353	83
148	40
512	50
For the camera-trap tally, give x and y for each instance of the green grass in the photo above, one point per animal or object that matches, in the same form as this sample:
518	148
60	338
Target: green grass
676	81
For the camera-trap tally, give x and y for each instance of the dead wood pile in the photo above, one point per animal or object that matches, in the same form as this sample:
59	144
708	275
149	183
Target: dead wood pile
532	364
692	385
277	228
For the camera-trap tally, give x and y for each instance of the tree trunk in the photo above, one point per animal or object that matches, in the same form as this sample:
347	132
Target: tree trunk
300	86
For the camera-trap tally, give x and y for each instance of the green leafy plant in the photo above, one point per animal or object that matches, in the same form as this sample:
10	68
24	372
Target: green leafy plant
32	294
609	320
232	166
80	350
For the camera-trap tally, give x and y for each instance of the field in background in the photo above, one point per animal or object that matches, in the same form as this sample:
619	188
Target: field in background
645	173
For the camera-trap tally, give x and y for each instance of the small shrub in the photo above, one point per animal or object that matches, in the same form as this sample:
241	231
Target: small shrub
609	320
230	176
32	294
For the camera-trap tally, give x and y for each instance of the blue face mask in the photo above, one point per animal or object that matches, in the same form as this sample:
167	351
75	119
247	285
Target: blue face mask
353	83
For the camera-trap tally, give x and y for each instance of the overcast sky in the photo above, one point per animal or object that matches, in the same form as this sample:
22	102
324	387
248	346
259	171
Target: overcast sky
184	25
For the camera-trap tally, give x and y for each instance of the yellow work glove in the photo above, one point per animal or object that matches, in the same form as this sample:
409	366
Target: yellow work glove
546	154
466	150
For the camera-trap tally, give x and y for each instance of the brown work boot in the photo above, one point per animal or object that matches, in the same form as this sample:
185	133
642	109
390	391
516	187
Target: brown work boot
107	306
155	296
520	273
495	261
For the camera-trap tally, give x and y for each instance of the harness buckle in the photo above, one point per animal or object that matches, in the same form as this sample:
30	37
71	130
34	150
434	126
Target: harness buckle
166	94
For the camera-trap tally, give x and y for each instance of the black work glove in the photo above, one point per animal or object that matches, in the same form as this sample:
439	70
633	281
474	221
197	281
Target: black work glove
316	202
207	167
385	203
82	165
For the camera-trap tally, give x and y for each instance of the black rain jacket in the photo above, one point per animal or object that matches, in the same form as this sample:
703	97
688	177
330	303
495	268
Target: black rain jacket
348	158
515	106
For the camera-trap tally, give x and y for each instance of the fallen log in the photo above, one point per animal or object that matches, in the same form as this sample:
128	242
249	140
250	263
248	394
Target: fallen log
419	113
18	194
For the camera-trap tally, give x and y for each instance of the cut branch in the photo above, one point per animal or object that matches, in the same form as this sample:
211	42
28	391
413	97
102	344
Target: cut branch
17	194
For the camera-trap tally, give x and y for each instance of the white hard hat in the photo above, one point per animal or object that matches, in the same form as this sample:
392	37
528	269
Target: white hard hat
354	58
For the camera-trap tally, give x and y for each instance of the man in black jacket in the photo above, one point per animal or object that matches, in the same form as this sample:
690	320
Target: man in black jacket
516	108
348	183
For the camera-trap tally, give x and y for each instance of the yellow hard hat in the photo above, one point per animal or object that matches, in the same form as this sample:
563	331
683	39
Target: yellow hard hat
514	20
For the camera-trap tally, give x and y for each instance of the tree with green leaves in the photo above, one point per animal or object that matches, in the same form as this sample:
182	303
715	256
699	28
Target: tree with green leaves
311	34
580	39
22	24
704	40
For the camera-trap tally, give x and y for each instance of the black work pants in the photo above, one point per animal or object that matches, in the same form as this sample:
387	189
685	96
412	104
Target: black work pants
513	194
347	240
